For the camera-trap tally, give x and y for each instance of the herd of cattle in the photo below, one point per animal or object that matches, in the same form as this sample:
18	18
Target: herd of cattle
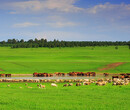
64	74
116	81
123	75
5	75
121	79
76	82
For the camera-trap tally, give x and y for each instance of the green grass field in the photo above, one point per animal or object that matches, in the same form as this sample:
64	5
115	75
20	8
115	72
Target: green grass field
90	97
29	60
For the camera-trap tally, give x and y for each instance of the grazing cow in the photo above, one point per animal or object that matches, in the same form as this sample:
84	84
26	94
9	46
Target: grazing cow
57	80
101	83
109	80
66	80
115	77
78	84
87	74
53	84
38	85
61	80
42	86
7	75
86	80
50	75
70	84
69	81
36	80
59	74
122	77
105	74
120	81
2	75
26	84
72	74
92	80
86	83
127	76
65	85
29	87
63	74
128	73
126	83
93	74
35	74
122	74
100	80
30	80
8	85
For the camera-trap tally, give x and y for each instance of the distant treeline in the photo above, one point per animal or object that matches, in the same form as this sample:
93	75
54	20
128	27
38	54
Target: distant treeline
14	43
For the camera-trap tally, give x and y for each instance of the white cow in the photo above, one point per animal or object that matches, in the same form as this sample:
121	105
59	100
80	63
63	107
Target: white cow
53	84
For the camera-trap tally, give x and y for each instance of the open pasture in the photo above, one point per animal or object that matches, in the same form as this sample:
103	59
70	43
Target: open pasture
85	59
87	97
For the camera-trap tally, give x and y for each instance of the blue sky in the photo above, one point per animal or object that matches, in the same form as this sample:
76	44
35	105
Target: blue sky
82	20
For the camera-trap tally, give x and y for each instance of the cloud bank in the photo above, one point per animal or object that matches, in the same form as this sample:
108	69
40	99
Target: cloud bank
38	6
25	24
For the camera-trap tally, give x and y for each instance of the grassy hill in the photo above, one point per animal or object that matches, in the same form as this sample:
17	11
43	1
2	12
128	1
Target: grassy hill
29	60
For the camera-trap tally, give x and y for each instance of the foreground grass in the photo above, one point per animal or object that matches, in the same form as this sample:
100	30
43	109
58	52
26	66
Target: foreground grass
29	60
64	98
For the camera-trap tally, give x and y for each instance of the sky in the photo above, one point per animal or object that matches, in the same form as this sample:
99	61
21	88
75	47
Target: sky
69	20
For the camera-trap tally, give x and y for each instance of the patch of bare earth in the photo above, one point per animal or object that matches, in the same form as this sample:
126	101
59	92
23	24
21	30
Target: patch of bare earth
1	69
111	66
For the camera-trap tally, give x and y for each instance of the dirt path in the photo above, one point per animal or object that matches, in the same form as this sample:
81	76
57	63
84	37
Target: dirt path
1	69
21	75
112	65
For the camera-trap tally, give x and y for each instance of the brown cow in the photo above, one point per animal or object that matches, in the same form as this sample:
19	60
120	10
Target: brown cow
42	86
115	77
70	84
78	84
2	75
65	85
35	74
7	75
122	77
105	74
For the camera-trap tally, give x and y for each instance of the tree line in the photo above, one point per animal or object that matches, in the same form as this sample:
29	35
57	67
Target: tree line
35	43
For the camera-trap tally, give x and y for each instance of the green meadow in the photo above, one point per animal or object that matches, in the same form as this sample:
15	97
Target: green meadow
29	60
89	97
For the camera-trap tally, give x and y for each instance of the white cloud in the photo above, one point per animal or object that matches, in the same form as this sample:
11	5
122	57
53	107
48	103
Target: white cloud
62	24
25	24
42	5
107	7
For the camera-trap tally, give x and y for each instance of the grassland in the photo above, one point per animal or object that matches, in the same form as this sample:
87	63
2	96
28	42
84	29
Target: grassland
29	60
64	98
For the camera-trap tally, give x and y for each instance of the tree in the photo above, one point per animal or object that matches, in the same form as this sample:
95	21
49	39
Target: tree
30	41
3	42
14	41
36	40
128	44
22	40
9	41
